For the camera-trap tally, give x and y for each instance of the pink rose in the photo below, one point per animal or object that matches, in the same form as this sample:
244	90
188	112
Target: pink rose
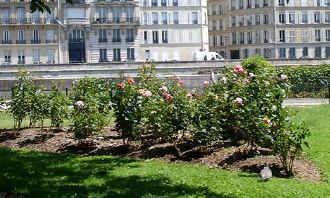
252	75
167	97
238	69
283	77
80	104
121	85
189	95
145	93
163	89
206	82
267	121
239	101
130	81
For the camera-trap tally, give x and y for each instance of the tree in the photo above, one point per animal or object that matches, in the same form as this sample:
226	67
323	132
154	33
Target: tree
40	5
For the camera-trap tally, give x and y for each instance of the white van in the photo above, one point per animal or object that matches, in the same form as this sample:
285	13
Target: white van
207	56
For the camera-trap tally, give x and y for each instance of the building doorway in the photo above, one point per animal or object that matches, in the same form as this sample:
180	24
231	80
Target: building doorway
77	46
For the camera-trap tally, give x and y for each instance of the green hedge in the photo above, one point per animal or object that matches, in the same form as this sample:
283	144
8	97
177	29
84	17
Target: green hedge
308	81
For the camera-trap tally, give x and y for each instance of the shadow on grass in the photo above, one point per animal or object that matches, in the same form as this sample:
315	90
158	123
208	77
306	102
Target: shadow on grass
64	175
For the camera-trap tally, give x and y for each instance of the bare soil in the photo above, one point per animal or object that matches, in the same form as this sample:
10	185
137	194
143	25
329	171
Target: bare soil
222	155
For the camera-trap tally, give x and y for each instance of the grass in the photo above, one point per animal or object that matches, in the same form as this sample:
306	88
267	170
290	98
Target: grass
64	175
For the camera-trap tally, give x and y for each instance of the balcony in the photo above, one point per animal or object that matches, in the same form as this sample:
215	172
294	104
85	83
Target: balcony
78	2
50	41
116	40
76	40
35	41
129	40
122	20
25	21
6	42
103	60
103	40
20	41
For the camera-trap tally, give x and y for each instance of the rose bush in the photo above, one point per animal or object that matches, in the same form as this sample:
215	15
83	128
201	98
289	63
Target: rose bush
91	103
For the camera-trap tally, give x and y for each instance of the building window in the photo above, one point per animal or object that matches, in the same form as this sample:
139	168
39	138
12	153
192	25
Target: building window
154	2
266	19
245	53
267	53
194	18
282	35
327	17
256	3
282	53
292	52
175	18
116	55
129	35
145	36
103	35
318	35
242	37
281	18
257	19
164	17
130	54
165	36
327	35
265	3
266	37
36	56
155	18
116	35
103	55
7	54
281	2
257	37
291	36
20	37
175	3
318	52
21	57
6	37
51	56
317	17
50	36
292	18
155	37
305	35
35	17
233	21
305	52
327	52
304	17
163	3
145	18
241	4
35	37
249	35
233	38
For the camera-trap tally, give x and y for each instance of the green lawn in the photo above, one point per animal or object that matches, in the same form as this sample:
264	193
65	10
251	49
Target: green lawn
62	175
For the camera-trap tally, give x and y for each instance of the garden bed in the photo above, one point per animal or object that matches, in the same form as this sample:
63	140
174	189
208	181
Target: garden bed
109	142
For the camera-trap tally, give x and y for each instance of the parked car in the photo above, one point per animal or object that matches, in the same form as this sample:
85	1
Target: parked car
6	63
207	56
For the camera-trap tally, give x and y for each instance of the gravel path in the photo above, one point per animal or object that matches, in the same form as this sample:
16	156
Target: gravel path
305	102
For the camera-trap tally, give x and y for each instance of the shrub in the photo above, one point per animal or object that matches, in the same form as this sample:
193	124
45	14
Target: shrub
22	97
39	106
91	106
308	81
58	107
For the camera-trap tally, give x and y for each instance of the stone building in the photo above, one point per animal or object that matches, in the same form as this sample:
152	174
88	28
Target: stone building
287	29
95	31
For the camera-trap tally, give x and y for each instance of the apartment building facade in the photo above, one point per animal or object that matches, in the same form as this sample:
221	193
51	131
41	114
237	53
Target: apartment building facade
173	29
286	29
96	31
28	37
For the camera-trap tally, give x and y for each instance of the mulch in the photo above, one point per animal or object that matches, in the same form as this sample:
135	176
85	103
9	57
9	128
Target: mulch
222	155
